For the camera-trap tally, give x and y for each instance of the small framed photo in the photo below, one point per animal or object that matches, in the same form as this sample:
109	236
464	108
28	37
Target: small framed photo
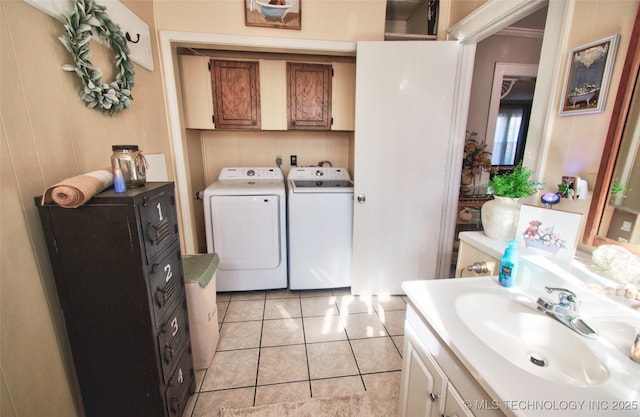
548	232
282	14
586	82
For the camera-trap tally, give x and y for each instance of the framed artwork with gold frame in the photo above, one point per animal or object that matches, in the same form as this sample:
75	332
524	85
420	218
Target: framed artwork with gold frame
281	14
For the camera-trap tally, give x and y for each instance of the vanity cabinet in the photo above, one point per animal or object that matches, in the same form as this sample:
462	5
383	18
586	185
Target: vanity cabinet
476	247
309	96
118	273
434	383
236	94
426	391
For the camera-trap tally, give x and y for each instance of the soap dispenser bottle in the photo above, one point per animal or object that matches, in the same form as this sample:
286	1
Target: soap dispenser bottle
508	265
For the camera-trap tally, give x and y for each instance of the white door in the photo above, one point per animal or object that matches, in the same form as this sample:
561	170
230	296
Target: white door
405	95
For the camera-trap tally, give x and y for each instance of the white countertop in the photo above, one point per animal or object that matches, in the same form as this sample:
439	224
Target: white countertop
522	393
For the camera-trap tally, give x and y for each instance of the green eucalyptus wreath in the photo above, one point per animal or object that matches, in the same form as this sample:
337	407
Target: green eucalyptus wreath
86	17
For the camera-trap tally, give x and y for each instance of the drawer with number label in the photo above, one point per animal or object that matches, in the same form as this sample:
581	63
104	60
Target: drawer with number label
166	283
159	223
180	386
173	338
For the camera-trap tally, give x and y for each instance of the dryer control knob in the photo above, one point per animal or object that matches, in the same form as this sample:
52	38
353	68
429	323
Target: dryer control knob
319	173
251	173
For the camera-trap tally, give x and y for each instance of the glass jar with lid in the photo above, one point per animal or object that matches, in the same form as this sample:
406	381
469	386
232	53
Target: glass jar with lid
132	163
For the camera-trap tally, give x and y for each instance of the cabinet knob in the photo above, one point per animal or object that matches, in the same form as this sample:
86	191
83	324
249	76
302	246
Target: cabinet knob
361	198
168	354
433	397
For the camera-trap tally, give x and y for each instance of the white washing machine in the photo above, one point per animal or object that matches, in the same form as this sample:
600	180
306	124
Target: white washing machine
320	224
245	220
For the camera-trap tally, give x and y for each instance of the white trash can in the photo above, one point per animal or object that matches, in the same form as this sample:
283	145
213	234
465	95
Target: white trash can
200	286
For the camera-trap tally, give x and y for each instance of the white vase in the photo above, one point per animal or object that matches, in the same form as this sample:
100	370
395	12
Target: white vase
500	217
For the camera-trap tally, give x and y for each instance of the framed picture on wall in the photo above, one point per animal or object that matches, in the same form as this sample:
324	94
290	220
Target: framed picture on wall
282	14
586	82
547	232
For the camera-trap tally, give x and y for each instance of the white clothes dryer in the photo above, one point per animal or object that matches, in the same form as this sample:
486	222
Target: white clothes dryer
320	225
245	220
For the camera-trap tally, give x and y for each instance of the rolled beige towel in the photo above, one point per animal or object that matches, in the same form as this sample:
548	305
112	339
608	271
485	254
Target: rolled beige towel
75	191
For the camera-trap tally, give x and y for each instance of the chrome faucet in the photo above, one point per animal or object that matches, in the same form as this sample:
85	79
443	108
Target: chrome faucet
566	311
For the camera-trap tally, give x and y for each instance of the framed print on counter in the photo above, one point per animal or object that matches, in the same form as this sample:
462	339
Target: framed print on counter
548	232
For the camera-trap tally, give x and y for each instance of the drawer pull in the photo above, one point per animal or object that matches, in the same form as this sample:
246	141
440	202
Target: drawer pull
163	295
158	232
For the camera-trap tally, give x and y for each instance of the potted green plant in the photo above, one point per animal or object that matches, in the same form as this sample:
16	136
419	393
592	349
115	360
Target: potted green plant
618	191
500	215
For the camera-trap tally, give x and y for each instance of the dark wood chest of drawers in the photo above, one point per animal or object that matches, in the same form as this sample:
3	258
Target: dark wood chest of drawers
118	272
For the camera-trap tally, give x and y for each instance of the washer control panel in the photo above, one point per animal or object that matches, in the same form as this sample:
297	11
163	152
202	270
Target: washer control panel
251	173
325	173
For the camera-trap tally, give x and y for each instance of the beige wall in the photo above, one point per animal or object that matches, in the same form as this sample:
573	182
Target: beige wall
510	49
576	142
47	135
336	20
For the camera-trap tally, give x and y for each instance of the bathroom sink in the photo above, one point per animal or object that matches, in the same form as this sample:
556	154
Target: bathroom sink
531	340
618	331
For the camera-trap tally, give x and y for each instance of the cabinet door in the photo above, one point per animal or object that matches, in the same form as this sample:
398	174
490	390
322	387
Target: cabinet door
236	94
197	97
423	382
309	96
455	404
343	100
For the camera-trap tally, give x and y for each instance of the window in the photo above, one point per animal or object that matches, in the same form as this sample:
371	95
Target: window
510	135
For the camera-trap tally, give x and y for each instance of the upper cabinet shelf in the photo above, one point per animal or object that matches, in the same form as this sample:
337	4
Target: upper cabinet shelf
267	94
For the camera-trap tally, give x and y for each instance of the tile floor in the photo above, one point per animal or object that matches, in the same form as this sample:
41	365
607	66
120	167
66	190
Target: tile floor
291	345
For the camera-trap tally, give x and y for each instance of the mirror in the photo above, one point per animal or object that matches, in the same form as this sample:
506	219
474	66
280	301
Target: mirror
509	111
614	215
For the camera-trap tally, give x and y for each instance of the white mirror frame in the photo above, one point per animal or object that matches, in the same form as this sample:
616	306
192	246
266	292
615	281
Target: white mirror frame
504	69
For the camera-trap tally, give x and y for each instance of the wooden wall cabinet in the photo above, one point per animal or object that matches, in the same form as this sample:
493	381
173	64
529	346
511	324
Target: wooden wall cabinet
309	96
236	94
313	96
118	272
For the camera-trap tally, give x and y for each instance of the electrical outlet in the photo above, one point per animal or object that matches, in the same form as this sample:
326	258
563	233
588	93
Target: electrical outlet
294	160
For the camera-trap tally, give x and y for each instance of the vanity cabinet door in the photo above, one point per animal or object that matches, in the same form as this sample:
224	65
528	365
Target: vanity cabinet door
236	94
309	96
423	382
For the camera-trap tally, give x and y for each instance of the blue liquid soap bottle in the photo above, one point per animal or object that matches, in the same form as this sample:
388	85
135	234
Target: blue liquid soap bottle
119	183
509	265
